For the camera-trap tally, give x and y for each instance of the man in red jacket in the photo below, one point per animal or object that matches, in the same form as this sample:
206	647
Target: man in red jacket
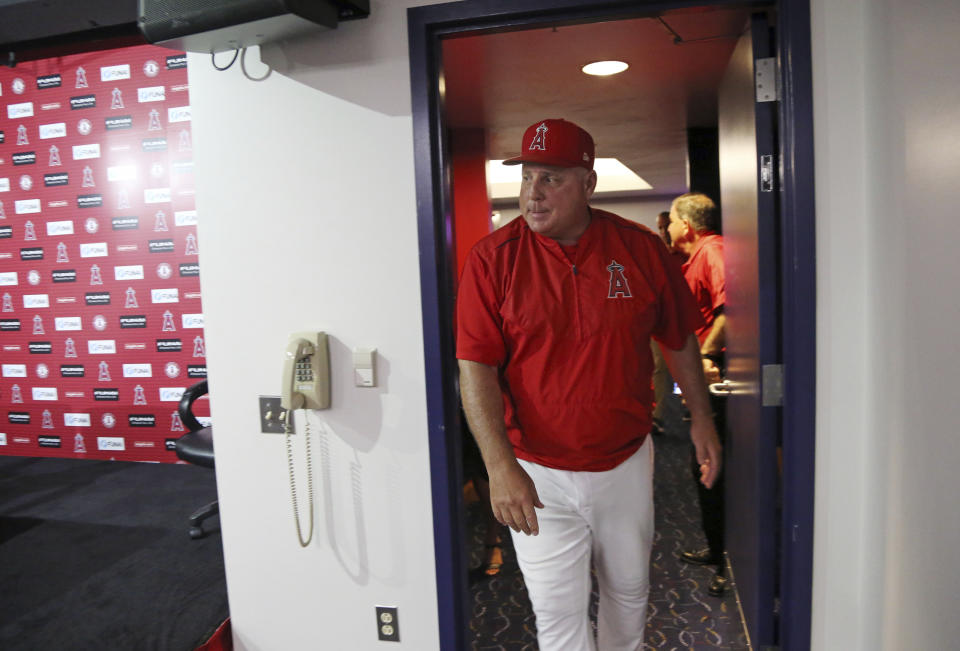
554	316
692	228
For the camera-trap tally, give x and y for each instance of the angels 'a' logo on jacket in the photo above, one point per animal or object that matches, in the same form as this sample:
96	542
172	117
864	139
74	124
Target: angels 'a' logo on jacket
619	288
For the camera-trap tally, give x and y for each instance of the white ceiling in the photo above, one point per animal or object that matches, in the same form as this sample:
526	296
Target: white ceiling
504	82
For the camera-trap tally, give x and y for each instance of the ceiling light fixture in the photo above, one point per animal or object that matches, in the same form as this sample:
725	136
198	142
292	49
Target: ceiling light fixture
503	181
605	68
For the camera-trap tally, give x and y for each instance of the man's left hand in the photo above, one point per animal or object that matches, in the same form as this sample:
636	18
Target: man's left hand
708	449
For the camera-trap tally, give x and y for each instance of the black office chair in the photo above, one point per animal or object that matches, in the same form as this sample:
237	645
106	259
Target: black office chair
196	446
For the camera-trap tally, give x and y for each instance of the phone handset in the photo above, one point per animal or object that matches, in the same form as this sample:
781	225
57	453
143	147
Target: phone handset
305	385
306	372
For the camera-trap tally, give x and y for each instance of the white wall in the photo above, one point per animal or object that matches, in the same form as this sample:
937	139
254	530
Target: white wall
334	168
309	223
887	110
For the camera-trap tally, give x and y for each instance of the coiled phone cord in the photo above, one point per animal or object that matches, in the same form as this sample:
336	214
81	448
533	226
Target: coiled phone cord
293	483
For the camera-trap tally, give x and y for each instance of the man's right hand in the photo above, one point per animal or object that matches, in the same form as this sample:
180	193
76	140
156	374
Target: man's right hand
513	497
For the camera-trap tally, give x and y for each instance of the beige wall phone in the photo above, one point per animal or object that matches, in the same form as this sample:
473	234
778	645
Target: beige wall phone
306	372
305	385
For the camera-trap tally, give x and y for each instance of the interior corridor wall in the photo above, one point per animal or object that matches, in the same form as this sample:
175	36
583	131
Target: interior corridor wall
306	186
887	137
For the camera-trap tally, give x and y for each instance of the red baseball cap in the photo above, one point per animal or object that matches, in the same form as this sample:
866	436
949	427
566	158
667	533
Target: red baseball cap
555	142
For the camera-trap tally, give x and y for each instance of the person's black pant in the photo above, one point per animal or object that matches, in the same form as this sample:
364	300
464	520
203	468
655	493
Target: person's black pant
711	499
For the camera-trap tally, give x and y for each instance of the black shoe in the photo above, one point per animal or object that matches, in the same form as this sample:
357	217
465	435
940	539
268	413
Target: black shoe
700	557
718	585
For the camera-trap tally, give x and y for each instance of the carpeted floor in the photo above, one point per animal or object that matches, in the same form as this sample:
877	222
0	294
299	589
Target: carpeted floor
96	555
681	614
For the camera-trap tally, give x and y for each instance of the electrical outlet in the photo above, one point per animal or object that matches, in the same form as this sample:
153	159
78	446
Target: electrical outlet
388	626
272	415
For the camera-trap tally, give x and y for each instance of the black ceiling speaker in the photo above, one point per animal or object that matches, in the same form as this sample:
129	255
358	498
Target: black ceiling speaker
219	25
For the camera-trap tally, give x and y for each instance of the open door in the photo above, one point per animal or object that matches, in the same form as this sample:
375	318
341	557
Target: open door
749	198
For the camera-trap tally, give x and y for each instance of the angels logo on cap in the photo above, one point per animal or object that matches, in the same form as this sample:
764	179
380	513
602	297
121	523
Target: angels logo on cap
555	142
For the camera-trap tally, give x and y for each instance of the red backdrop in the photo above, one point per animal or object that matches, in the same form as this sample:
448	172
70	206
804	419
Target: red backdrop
101	325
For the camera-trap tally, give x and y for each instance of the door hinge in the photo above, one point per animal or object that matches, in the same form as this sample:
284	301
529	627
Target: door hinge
765	79
772	385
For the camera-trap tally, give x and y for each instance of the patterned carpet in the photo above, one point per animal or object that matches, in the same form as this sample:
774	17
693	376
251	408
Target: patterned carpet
682	615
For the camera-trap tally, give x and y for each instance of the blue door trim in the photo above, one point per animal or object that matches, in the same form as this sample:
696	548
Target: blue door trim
427	26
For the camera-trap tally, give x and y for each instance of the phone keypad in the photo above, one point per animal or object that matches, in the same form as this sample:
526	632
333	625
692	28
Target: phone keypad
304	371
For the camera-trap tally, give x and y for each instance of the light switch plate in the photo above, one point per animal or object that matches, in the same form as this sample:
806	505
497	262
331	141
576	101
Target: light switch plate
270	406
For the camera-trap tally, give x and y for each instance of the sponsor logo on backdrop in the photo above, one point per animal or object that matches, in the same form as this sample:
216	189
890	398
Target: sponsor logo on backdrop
161	246
95	277
131	299
88	181
18	417
135	321
14	370
121	173
176	61
60	228
118	122
142	420
62	253
26	182
6	232
42	371
128	272
26	206
164	271
18	86
113	443
171	369
83	102
189	269
153	144
22	138
116	99
151	94
97	298
57	130
87	151
40	347
196	370
110	395
93	250
100	323
76	420
151	68
156	195
185	218
72	370
5	181
84	127
199	350
31	253
3	438
31	301
54	160
8	278
108	420
178	114
137	370
38	325
67	323
171	394
89	200
91	225
44	393
22	110
64	275
169	345
165	295
101	347
49	81
50	106
79	447
9	325
33	277
192	320
125	223
115	73
58	178
24	158
48	441
103	372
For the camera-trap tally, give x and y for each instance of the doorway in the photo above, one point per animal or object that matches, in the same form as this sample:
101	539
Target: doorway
429	26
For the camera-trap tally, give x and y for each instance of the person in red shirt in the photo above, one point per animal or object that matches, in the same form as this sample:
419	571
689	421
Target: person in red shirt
554	316
692	229
662	382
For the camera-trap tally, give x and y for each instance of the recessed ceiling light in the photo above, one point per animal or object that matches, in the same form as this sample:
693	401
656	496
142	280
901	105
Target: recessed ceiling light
604	68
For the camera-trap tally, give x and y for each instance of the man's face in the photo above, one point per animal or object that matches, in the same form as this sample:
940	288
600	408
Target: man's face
678	228
663	221
553	200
